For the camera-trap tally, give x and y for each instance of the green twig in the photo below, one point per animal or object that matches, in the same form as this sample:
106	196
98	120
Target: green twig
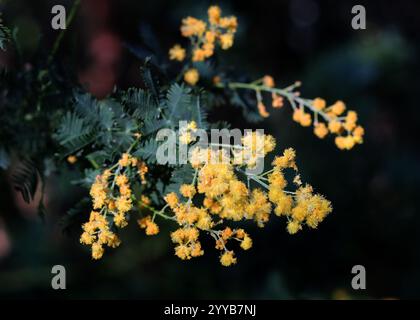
287	93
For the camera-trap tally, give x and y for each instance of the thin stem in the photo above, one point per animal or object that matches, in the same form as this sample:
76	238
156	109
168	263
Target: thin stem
195	177
289	192
117	172
158	212
257	179
267	172
94	163
253	177
293	86
290	95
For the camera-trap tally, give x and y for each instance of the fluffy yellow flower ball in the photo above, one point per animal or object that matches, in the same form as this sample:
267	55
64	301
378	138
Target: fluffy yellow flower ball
191	76
177	53
227	258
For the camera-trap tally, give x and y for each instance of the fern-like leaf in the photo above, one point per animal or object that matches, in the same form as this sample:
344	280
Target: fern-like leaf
140	104
25	179
148	79
180	175
178	102
73	133
147	151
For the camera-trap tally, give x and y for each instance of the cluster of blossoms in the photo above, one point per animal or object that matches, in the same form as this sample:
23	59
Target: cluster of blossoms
112	200
324	119
332	120
204	36
217	194
307	112
227	186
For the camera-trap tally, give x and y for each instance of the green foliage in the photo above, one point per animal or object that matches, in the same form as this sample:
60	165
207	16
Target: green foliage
4	35
74	133
47	118
89	175
25	179
76	215
180	175
140	104
183	105
147	151
178	101
101	125
149	80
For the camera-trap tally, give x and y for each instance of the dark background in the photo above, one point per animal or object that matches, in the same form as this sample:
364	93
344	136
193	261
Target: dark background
373	187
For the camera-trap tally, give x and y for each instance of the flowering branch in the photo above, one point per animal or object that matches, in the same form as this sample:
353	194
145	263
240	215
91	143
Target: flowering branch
345	127
215	193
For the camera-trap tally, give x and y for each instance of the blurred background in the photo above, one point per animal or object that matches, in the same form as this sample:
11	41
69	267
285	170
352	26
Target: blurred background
376	220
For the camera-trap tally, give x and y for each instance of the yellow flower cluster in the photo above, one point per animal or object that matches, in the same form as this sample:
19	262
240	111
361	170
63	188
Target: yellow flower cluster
276	99
72	159
228	258
255	146
97	233
224	187
348	132
112	200
301	207
324	119
177	53
147	223
217	194
204	36
191	76
187	242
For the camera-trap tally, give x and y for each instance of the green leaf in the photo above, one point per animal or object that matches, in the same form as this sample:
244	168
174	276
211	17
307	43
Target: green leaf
148	79
153	126
199	113
147	151
105	115
122	136
88	179
180	175
95	112
178	102
25	179
140	104
76	215
4	35
97	158
85	106
73	133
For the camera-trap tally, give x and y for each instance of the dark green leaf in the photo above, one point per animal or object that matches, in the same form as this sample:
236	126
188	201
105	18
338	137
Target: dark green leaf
25	179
